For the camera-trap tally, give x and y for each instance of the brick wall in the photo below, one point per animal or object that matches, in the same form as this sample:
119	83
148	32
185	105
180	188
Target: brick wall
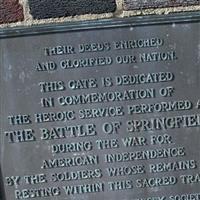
28	12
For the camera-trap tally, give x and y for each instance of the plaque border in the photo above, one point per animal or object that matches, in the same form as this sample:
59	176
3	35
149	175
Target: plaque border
134	21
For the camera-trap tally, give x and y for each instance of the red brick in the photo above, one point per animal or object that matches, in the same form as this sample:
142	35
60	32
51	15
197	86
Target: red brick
10	11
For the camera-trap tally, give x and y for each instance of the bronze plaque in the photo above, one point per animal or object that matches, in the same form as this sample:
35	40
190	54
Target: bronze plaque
101	110
138	4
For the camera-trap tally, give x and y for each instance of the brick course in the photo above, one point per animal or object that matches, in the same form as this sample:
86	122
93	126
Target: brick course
55	11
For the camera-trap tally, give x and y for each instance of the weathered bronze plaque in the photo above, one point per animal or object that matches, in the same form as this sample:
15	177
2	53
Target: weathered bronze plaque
106	110
135	4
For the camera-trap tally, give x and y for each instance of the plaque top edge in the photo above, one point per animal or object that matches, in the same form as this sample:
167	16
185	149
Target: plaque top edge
134	21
